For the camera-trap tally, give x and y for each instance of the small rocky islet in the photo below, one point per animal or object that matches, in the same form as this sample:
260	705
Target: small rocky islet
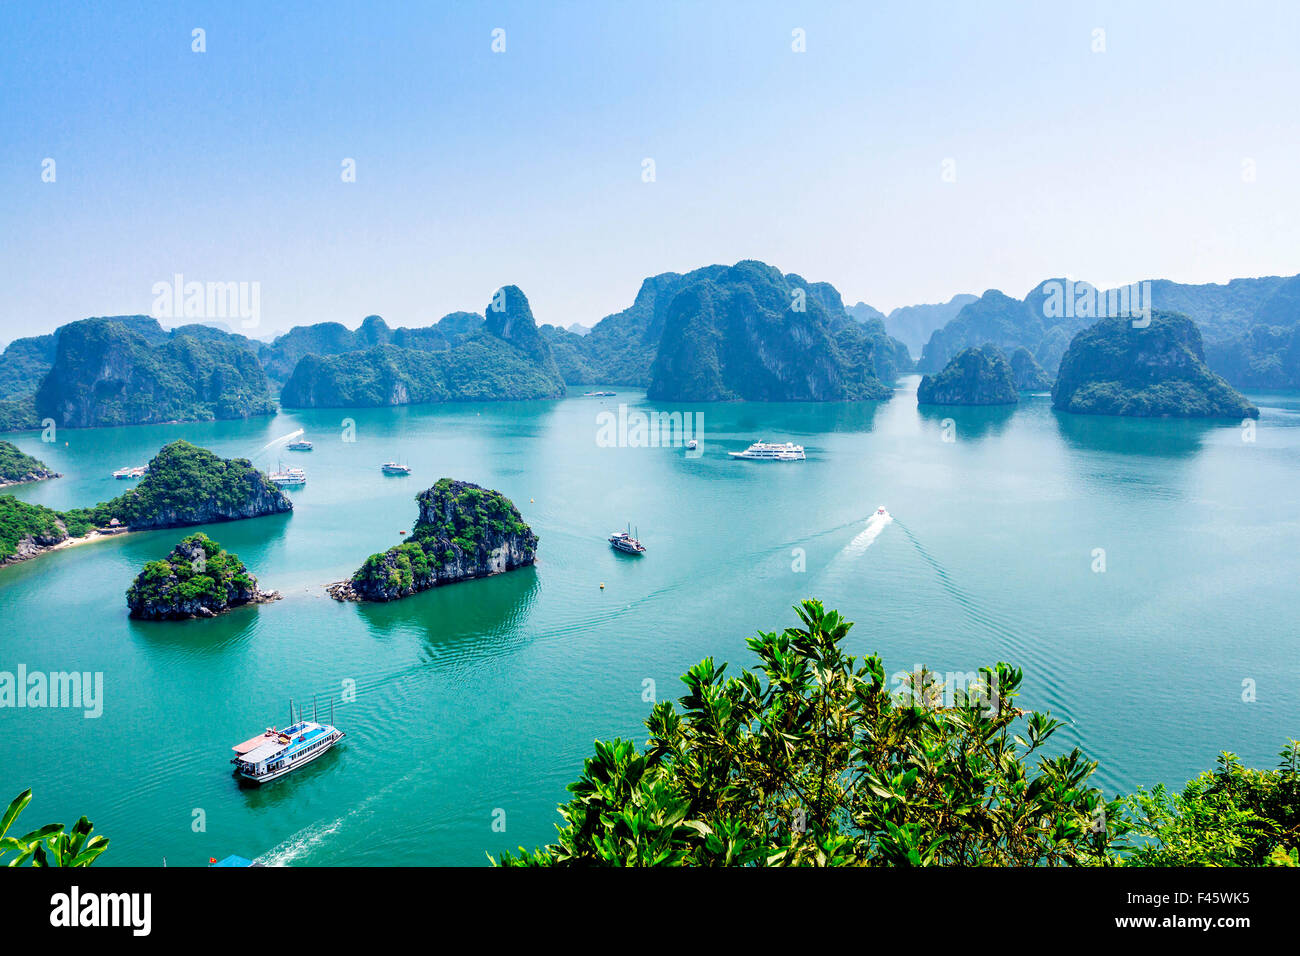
197	579
463	531
974	376
1149	368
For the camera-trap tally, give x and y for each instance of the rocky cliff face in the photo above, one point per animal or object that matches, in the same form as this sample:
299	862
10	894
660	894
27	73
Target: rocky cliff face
1113	368
32	543
502	358
198	579
750	333
106	372
463	531
1029	375
979	376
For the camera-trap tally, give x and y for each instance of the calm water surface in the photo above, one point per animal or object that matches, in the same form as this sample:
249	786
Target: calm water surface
482	699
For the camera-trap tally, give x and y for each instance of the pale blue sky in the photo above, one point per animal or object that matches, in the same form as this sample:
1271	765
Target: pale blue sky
476	169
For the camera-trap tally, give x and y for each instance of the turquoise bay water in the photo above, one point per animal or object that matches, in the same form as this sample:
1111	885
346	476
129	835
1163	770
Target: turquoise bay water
478	702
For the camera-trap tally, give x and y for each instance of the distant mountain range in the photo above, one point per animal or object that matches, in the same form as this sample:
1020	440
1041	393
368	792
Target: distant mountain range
1247	325
463	357
746	331
913	324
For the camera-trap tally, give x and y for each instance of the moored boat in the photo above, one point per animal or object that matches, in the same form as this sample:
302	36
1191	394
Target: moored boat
288	477
137	471
393	468
301	444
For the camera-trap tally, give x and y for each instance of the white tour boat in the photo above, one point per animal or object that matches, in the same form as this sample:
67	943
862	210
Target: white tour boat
625	541
288	477
765	451
274	753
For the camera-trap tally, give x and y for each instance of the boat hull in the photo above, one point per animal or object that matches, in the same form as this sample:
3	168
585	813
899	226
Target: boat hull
291	767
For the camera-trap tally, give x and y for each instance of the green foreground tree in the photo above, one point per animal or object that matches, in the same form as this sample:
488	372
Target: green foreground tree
815	760
1229	816
49	845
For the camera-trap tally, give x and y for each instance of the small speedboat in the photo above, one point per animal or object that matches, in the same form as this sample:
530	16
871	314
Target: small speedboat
880	510
692	445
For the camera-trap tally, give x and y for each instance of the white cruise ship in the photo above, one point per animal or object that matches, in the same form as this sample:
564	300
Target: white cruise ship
276	752
765	451
288	477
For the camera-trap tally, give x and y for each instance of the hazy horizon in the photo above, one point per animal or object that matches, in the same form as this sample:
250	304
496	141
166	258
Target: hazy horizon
1038	148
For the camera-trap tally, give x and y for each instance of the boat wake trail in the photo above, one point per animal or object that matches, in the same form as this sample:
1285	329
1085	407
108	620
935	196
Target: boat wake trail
310	837
875	525
283	439
1005	638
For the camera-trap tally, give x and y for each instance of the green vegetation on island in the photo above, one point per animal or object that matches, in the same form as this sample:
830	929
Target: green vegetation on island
16	466
463	531
324	339
504	359
187	485
26	529
107	372
197	579
749	333
974	376
815	759
1157	369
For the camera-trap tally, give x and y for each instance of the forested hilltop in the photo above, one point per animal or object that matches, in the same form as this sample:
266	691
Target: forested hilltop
132	372
185	485
17	467
1155	370
462	531
502	358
